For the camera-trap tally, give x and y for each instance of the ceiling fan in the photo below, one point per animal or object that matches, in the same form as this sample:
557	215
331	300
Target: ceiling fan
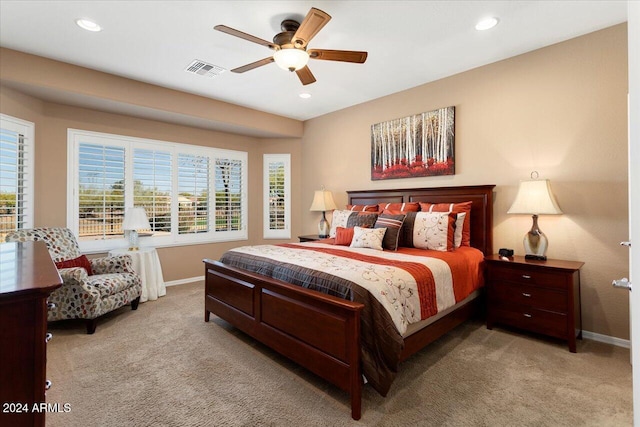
291	46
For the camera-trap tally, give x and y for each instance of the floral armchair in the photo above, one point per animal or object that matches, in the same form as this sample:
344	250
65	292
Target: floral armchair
83	296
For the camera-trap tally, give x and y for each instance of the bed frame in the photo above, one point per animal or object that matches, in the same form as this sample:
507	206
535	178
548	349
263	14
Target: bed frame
321	332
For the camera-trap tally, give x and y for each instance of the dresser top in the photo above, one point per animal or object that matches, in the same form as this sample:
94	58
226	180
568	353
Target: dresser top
26	267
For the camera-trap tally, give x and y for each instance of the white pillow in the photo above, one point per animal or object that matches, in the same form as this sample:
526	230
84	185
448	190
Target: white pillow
432	230
340	218
457	234
368	238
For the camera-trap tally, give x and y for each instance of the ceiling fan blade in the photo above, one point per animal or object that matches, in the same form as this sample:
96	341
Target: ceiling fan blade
305	75
253	65
338	55
245	36
313	22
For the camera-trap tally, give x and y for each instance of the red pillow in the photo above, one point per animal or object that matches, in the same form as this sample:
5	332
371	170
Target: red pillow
363	208
404	207
81	261
344	236
454	208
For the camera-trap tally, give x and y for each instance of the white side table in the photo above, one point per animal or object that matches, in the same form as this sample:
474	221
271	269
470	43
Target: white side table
147	264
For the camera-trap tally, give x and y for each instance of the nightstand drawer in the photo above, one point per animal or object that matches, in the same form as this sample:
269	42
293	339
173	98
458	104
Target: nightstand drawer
529	277
532	296
540	321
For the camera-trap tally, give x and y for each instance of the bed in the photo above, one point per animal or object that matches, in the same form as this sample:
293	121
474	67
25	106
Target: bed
331	336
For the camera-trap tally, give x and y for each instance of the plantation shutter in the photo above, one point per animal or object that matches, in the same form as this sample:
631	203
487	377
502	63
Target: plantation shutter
16	179
229	194
276	196
101	179
193	194
152	186
175	184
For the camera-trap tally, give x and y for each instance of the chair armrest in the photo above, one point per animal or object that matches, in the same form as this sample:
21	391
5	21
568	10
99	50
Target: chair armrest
112	264
74	275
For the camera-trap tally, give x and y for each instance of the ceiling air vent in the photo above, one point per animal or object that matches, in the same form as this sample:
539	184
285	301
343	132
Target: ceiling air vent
204	69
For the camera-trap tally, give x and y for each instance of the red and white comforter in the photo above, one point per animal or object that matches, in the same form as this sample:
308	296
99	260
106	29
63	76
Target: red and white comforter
411	284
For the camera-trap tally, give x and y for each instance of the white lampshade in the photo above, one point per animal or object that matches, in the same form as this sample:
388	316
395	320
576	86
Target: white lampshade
291	59
322	201
535	198
135	219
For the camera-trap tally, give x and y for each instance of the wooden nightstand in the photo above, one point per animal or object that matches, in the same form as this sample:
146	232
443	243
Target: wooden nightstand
309	238
538	296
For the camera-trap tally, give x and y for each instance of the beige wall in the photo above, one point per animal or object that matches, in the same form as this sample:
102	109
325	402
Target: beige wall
561	111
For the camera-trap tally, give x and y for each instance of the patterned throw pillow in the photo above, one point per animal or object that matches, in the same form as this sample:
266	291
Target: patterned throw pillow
81	261
368	238
406	232
434	230
344	236
393	224
340	219
457	208
362	219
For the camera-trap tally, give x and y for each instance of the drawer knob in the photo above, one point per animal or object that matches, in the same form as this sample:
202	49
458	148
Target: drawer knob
48	337
47	385
527	315
526	276
524	294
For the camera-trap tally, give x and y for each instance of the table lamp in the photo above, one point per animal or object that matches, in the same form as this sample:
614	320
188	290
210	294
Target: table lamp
535	198
323	201
135	219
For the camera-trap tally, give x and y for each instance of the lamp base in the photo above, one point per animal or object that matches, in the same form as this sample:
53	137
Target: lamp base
323	227
535	242
133	240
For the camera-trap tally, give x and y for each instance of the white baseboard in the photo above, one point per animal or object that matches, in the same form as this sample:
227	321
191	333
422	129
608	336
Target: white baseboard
184	281
606	339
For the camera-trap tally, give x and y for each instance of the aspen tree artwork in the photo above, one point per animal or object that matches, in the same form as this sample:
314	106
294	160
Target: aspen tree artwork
413	146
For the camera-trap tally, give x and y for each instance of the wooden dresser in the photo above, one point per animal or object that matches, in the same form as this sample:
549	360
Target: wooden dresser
537	296
27	277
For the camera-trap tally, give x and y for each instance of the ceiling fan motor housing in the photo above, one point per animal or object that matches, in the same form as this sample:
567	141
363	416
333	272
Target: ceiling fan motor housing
289	28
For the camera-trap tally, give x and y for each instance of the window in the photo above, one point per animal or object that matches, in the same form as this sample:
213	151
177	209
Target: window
173	182
16	174
277	196
152	186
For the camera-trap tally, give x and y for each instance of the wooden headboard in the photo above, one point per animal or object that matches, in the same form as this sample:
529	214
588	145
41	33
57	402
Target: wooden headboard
481	197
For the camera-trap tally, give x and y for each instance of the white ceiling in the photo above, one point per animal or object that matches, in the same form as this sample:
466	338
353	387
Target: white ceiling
409	43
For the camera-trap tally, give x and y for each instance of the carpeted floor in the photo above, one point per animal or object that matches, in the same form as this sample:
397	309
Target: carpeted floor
162	365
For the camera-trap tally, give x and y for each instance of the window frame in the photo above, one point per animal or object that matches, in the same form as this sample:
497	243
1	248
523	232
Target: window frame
27	130
269	233
75	137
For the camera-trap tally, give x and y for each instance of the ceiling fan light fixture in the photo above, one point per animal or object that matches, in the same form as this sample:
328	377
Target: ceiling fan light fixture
291	59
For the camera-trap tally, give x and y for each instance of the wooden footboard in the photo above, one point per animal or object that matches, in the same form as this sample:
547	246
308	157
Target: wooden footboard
319	332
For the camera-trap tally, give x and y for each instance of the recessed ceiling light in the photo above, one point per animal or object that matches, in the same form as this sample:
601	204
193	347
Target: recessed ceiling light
486	23
88	25
305	95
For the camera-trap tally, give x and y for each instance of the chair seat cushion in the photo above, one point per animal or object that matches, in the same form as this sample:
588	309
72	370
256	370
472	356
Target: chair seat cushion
81	261
111	284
